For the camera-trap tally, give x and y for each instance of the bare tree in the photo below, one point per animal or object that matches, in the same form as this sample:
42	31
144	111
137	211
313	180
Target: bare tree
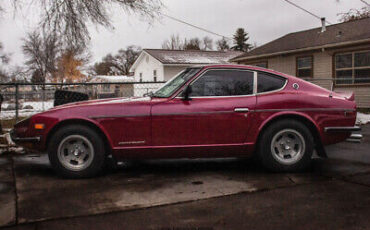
4	57
354	14
18	74
207	43
41	52
3	76
174	43
118	64
123	61
192	44
71	17
223	44
103	67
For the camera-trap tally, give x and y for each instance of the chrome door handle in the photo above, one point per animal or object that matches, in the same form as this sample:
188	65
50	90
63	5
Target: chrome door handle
241	110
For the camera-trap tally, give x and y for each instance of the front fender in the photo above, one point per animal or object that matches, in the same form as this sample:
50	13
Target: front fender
54	126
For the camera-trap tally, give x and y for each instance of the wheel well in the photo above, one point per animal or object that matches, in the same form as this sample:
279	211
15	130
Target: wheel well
79	122
315	133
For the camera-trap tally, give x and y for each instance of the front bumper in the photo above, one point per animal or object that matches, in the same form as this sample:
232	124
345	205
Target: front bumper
17	140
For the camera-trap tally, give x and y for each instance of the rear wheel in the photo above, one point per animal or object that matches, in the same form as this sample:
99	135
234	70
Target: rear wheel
286	146
76	151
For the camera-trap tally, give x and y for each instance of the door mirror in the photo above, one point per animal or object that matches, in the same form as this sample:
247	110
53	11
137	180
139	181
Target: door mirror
149	94
187	91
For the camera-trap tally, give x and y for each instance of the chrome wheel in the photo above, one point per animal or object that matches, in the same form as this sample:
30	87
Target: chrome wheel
75	152
288	146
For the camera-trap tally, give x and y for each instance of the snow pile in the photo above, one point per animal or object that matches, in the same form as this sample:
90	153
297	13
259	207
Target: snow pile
362	118
113	79
9	146
37	107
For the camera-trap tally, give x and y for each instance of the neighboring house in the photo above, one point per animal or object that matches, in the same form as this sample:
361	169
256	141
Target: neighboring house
337	51
111	90
161	65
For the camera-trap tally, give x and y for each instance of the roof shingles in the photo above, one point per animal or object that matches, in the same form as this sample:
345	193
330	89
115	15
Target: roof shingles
193	57
338	33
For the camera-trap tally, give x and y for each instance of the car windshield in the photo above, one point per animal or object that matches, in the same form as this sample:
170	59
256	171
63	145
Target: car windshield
176	82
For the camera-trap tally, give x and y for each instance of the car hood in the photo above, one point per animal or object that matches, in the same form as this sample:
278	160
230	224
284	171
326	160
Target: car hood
97	102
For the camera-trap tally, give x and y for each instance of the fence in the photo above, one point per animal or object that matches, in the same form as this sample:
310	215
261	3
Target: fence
24	99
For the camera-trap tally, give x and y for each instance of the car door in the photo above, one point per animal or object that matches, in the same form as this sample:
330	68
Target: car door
216	115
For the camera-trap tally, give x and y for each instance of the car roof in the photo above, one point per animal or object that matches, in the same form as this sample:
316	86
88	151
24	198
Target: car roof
238	66
256	68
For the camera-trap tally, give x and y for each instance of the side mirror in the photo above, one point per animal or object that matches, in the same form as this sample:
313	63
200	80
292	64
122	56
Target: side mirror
149	94
187	91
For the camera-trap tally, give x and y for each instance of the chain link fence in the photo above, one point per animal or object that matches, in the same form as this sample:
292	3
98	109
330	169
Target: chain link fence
21	100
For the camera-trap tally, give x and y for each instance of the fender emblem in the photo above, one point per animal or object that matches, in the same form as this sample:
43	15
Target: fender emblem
131	142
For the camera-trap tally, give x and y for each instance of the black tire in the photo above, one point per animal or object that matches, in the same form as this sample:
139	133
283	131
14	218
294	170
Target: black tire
99	153
266	153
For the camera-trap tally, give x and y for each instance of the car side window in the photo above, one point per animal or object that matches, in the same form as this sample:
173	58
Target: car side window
223	83
267	82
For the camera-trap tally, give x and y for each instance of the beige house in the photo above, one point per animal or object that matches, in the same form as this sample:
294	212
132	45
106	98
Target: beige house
336	56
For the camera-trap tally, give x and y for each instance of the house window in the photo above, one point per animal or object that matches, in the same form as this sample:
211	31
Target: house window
305	66
155	75
353	67
261	64
141	77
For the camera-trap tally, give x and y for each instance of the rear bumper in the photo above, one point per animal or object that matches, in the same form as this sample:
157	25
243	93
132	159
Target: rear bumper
342	129
354	137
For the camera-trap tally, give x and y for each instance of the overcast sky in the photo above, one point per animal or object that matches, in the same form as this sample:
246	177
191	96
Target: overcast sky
264	20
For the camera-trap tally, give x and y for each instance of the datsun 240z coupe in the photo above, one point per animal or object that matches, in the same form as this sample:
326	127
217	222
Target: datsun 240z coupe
208	111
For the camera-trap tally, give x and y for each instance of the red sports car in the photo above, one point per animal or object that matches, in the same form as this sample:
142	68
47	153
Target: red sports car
208	111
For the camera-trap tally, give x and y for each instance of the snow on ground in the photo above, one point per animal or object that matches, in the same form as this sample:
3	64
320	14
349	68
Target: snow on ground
363	118
38	106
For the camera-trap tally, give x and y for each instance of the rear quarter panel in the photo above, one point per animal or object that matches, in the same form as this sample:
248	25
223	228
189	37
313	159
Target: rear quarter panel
309	102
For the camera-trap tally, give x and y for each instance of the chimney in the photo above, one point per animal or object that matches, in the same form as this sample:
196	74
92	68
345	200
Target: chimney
323	26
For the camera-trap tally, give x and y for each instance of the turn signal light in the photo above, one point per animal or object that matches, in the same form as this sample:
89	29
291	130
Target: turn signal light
39	126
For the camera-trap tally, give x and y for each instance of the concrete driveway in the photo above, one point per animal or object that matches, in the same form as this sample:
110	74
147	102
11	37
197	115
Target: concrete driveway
191	194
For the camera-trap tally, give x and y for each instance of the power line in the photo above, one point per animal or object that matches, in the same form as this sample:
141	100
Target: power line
299	7
365	3
194	26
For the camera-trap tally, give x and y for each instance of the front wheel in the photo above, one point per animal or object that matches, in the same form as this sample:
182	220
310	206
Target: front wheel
76	151
286	146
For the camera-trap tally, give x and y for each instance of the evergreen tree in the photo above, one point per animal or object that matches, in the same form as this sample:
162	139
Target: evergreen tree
240	41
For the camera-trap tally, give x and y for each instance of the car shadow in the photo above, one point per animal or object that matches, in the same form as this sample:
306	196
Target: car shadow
39	166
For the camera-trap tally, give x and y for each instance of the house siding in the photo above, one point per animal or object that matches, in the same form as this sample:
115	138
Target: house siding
322	71
170	71
146	68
